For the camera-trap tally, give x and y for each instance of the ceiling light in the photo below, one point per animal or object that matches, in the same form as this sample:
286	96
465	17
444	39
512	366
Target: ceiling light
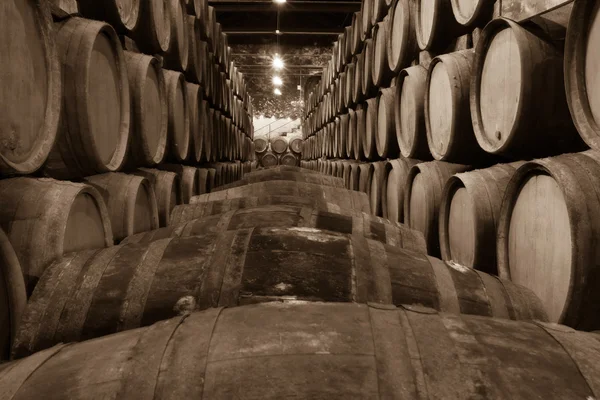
279	1
277	62
277	32
277	92
277	81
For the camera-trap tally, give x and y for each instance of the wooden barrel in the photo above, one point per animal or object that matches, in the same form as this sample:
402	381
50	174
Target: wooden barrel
379	9
447	113
31	87
402	46
211	180
260	145
178	117
353	180
188	177
582	78
153	32
45	219
378	188
513	66
96	105
349	86
269	160
359	132
357	95
121	14
393	198
382	75
371	126
351	135
177	56
243	266
167	190
130	201
364	179
422	198
368	88
409	115
473	13
436	27
331	219
342	135
278	174
469	214
385	138
13	297
548	222
195	111
366	11
296	145
288	159
196	58
342	197
346	171
149	110
206	129
204	185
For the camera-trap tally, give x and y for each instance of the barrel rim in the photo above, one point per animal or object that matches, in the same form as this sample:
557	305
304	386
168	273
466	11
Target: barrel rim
426	45
483	10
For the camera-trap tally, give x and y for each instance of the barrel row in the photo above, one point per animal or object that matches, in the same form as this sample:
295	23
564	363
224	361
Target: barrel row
277	151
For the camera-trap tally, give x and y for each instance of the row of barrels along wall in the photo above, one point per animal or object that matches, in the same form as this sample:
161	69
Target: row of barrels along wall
117	113
482	114
278	151
260	255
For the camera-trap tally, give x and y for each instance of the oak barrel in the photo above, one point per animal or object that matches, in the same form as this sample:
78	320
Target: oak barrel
296	145
368	87
393	198
473	13
195	112
196	52
378	188
382	75
30	99
269	160
385	138
149	110
204	184
279	145
288	159
45	218
153	32
436	26
548	233
365	176
178	117
167	189
177	56
96	105
353	180
261	145
174	275
469	214
130	201
423	196
359	131
402	46
514	65
121	14
188	177
370	130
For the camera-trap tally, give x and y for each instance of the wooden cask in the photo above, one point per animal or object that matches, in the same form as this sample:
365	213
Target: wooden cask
30	99
149	122
371	125
288	159
378	188
279	174
96	105
473	13
342	197
296	145
177	56
356	33
436	26
393	198
402	46
261	145
368	87
469	214
447	113
188	177
153	32
382	75
13	296
196	56
195	111
409	113
346	172
204	185
342	135
364	179
582	76
366	11
269	160
167	190
178	116
513	66
359	132
331	219
357	95
121	14
349	86
353	180
547	235
211	180
423	196
177	275
45	218
385	138
351	135
130	201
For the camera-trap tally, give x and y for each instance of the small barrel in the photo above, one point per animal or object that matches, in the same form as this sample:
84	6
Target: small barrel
121	14
447	113
393	198
582	75
96	105
402	46
279	145
518	101
178	116
195	113
281	174
371	126
409	115
548	234
473	13
30	99
342	197
153	32
269	160
45	218
260	145
167	189
469	214
422	198
149	122
177	56
288	159
296	145
248	265
130	201
378	188
436	26
364	179
385	138
188	177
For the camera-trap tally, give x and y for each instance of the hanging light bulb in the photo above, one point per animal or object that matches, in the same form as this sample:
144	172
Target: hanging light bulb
277	81
277	92
277	62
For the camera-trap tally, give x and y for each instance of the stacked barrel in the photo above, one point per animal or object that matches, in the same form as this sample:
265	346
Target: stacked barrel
442	124
279	150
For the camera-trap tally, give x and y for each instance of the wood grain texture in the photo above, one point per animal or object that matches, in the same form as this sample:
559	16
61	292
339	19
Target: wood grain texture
393	199
402	46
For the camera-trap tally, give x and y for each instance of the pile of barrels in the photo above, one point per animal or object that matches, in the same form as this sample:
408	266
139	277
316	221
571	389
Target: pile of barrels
476	131
271	152
282	285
